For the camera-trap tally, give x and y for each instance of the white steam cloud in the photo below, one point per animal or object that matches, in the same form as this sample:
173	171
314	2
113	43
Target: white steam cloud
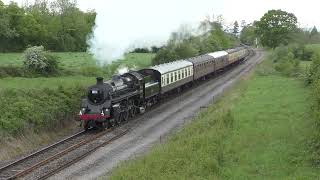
122	25
122	69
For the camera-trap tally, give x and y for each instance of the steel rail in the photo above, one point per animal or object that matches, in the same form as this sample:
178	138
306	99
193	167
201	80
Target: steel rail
40	151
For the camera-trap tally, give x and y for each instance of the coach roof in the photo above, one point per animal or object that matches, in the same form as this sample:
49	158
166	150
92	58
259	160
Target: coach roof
172	66
218	54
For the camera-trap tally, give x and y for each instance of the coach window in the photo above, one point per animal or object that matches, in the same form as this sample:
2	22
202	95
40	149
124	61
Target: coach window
182	73
171	77
179	74
175	76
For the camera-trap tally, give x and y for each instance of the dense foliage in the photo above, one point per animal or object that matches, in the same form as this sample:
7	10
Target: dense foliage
286	59
36	109
248	35
275	28
184	44
58	26
313	79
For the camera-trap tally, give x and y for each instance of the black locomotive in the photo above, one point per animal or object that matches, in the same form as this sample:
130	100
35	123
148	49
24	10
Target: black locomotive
108	103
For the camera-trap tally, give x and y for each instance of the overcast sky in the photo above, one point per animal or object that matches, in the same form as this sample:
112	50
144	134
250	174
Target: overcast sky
122	25
249	10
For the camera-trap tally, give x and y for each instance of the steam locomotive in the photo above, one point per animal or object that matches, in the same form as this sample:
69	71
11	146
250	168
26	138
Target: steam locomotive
109	103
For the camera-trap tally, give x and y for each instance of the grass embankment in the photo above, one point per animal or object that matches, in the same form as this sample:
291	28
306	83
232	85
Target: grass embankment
258	130
46	106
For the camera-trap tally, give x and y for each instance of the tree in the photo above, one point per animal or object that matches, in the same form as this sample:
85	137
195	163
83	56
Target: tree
243	24
275	27
235	28
58	26
248	35
314	31
314	36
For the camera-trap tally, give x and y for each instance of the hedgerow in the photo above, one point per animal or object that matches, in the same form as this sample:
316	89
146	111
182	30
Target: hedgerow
36	110
313	78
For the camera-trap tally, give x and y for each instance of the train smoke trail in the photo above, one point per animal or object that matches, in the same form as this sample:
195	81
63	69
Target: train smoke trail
123	25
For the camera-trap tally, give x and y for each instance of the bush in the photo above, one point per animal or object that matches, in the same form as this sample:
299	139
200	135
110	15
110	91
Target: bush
301	52
37	60
285	61
313	79
313	73
315	141
166	54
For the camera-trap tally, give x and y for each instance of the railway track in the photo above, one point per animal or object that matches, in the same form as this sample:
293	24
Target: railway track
54	158
51	159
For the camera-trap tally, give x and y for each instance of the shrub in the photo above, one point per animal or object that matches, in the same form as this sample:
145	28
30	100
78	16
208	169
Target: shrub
313	79
314	70
37	60
285	61
315	140
164	55
301	52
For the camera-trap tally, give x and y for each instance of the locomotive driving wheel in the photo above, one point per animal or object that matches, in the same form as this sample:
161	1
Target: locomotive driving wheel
86	125
132	109
125	115
100	125
118	119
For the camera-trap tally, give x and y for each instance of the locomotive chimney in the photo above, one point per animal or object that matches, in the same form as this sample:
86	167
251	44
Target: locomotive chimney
99	80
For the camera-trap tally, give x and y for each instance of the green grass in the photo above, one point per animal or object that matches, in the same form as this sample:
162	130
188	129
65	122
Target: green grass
305	64
259	130
76	60
315	47
271	130
42	83
11	59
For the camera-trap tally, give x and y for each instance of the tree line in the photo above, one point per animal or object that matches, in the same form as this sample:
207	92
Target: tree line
184	43
276	28
58	26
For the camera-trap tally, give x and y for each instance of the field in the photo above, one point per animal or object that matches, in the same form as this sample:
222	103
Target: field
258	130
76	60
81	63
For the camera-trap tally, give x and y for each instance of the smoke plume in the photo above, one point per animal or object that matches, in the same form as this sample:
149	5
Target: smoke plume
123	25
